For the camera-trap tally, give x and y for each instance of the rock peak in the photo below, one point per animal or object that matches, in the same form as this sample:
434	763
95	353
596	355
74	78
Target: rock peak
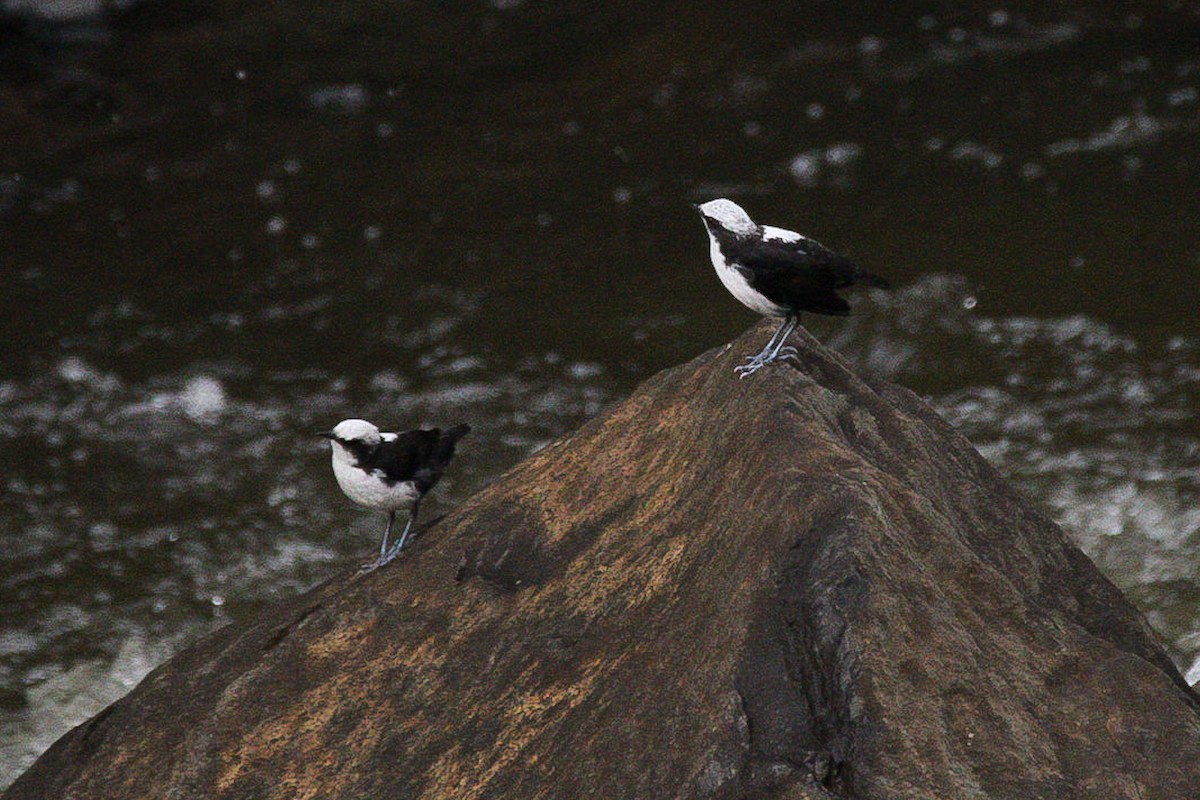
804	585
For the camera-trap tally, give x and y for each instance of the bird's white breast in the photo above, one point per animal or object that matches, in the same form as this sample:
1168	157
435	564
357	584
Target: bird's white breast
738	286
368	488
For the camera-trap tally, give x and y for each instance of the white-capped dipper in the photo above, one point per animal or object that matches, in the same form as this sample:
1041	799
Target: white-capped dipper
390	471
777	273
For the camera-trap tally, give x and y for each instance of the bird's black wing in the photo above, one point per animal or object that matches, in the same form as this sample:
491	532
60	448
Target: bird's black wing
420	456
403	457
802	275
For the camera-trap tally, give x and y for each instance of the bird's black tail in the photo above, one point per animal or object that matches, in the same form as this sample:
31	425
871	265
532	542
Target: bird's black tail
439	457
444	449
457	432
864	278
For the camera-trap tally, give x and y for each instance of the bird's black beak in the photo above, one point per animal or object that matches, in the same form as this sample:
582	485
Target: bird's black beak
696	206
324	434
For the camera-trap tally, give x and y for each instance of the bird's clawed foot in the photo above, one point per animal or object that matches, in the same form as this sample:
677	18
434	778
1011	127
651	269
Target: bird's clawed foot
755	363
749	369
774	351
384	558
390	556
387	554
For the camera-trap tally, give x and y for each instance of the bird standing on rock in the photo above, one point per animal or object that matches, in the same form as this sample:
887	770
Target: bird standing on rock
390	471
777	273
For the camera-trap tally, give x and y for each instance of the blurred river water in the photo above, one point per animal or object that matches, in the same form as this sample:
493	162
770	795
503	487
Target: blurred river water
224	230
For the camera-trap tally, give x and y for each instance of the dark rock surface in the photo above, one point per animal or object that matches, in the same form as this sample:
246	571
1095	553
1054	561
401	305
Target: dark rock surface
800	585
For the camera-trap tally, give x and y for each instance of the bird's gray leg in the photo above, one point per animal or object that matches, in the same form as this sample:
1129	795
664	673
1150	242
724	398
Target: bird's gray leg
770	343
399	545
785	352
765	356
386	533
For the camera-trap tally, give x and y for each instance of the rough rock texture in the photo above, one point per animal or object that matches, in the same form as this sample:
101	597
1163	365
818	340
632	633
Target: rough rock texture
801	585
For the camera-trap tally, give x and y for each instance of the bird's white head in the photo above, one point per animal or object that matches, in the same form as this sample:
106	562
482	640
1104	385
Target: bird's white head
350	430
729	215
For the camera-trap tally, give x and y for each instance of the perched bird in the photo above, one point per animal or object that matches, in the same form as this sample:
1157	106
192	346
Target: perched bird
777	273
390	471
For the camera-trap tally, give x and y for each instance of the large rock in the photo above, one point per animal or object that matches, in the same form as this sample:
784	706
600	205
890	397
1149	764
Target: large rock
800	585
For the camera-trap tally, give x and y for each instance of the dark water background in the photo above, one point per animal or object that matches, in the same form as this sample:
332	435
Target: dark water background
224	226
